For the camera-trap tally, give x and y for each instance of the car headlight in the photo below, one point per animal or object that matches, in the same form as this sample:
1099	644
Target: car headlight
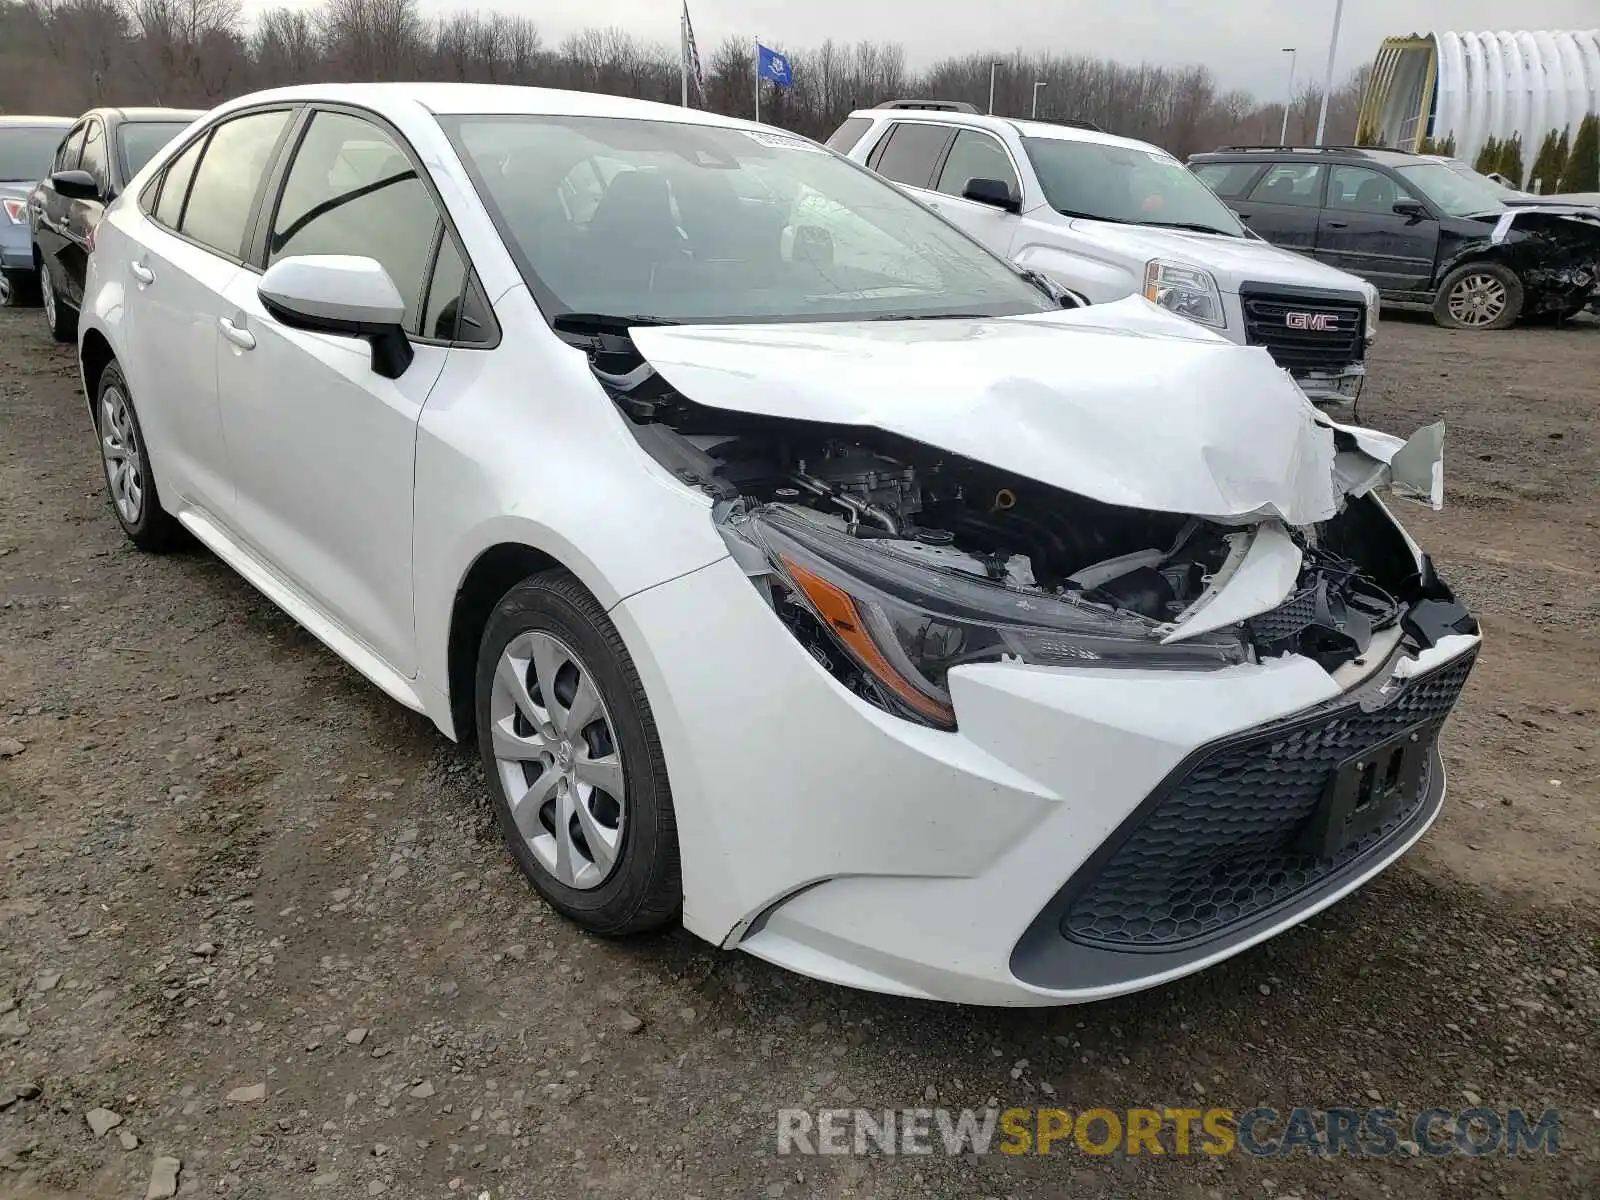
905	624
1188	291
1374	305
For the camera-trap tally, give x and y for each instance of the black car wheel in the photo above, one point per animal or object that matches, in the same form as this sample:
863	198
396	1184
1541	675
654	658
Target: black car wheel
59	317
1479	295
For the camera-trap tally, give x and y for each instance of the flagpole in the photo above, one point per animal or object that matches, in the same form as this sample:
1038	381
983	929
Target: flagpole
758	79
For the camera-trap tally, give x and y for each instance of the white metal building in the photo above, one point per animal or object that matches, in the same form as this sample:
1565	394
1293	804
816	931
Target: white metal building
1474	86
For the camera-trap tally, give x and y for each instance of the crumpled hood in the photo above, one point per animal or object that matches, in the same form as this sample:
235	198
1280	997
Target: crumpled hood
1123	403
1233	261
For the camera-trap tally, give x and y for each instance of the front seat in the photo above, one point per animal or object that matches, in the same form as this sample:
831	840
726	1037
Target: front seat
1375	195
632	230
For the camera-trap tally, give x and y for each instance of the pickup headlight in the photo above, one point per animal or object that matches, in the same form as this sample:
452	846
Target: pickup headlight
904	623
1188	291
1374	304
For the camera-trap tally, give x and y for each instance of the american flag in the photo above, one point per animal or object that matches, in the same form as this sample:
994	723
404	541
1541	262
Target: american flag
691	54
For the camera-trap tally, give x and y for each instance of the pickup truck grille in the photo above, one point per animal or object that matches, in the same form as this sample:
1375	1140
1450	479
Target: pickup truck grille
1305	332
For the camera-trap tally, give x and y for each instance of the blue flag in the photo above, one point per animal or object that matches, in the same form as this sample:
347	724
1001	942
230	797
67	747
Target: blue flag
774	66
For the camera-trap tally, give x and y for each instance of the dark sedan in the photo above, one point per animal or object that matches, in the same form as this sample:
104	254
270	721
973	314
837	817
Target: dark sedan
93	163
27	146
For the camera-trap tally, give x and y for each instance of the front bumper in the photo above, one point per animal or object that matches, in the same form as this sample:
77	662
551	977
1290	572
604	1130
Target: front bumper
835	840
1332	387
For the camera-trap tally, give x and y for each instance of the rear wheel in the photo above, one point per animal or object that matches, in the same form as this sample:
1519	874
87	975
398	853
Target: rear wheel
18	289
59	318
127	467
574	762
1480	295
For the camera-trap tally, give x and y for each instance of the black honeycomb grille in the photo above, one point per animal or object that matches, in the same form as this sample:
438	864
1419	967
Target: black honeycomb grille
1284	622
1221	844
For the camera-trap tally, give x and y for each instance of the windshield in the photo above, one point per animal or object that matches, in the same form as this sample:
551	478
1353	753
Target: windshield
27	152
1500	189
138	142
1128	185
1458	194
682	222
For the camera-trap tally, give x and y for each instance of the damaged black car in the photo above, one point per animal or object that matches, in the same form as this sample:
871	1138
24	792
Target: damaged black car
1426	236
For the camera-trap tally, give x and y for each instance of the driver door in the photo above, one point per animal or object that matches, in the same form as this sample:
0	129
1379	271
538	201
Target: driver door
977	155
320	446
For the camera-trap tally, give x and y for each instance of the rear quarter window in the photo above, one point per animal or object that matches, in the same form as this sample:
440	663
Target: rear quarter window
1228	180
847	135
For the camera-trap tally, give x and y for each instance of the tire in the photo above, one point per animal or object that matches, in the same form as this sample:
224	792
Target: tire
133	494
539	764
19	289
59	318
1479	296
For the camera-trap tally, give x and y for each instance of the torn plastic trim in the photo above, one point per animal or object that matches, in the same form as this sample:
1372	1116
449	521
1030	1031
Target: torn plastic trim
1251	582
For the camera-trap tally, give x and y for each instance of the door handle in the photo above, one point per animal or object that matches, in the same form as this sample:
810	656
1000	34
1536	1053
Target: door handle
142	273
241	338
1338	224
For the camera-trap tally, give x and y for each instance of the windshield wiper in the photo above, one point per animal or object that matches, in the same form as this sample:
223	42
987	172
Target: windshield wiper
958	316
589	322
1191	226
1089	216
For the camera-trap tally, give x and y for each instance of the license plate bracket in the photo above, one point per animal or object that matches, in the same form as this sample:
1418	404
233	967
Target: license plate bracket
1367	791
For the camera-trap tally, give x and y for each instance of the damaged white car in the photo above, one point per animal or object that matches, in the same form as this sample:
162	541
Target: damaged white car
797	565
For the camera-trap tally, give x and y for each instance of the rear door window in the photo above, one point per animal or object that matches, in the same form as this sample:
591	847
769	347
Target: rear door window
911	151
1290	183
229	176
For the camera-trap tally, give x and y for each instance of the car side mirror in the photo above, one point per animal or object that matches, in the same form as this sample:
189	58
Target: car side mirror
994	192
346	295
1411	208
75	185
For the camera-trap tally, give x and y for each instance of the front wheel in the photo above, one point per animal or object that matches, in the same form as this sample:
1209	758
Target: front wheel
59	318
1480	295
574	762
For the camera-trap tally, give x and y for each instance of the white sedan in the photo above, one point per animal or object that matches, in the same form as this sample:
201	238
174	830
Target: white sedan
802	569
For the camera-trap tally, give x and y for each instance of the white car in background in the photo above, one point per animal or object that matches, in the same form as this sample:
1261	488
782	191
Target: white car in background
797	565
1110	217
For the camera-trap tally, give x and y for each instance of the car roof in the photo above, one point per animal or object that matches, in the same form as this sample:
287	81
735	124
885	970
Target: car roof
148	114
1026	128
1393	158
26	122
489	99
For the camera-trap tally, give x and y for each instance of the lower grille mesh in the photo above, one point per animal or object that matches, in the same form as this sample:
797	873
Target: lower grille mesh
1221	844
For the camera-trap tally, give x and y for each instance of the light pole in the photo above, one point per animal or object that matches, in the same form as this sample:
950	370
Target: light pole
1327	83
1037	84
993	67
1288	103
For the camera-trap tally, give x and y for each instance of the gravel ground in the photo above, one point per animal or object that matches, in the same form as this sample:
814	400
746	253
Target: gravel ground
254	917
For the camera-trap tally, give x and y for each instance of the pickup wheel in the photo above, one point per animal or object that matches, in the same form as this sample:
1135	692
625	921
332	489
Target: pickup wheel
1479	295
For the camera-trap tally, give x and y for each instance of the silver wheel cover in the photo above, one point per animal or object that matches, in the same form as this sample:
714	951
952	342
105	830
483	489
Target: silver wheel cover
1478	299
120	450
47	296
555	750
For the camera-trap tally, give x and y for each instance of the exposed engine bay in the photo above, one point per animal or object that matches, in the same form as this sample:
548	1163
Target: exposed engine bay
862	534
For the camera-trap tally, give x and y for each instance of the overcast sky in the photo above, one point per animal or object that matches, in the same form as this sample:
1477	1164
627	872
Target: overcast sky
1239	39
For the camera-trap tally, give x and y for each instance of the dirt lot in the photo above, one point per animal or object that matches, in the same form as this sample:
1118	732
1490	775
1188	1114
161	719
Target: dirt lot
229	863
